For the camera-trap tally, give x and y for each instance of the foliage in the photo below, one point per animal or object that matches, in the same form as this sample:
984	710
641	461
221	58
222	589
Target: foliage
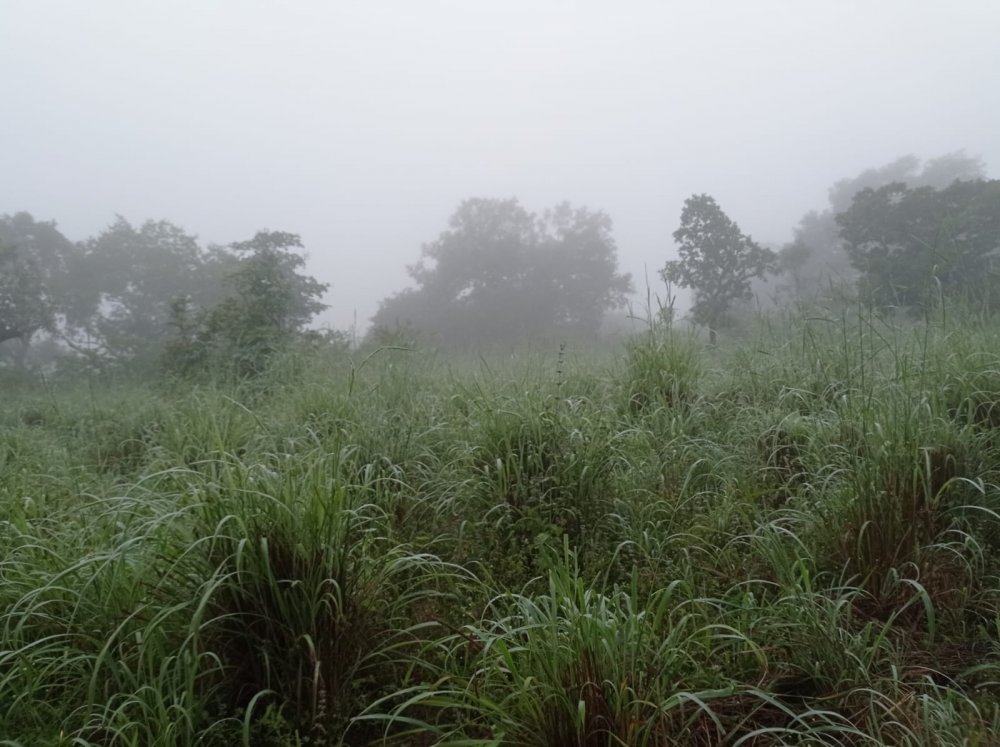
501	274
815	260
24	306
133	275
269	294
268	303
34	276
909	245
937	172
716	259
133	292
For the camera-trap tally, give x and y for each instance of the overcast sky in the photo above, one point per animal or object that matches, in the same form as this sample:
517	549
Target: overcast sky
361	125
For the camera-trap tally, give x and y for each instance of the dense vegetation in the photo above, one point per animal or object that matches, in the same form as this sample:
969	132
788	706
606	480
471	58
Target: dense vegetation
148	296
501	274
791	539
221	527
899	236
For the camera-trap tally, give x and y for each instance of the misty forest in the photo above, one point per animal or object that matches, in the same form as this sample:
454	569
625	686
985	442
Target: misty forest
536	493
498	517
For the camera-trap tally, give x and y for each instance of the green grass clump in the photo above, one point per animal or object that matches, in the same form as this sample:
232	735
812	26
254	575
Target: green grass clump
313	599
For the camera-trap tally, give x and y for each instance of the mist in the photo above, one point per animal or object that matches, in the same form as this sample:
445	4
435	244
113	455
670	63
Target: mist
478	372
361	127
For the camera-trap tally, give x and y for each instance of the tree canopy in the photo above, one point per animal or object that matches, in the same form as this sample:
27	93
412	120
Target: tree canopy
815	260
25	307
137	291
500	273
910	244
717	260
34	276
267	302
268	296
128	276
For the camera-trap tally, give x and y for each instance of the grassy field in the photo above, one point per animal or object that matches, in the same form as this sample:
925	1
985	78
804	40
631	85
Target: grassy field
792	539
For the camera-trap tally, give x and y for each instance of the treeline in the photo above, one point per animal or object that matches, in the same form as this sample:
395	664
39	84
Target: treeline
903	235
151	294
899	237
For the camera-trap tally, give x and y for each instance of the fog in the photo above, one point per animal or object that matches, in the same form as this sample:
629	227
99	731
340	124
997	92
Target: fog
361	126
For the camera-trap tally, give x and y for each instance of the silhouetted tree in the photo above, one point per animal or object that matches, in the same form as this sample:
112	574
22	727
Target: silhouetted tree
717	260
500	273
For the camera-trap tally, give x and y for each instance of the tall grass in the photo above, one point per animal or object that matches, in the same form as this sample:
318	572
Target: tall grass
789	539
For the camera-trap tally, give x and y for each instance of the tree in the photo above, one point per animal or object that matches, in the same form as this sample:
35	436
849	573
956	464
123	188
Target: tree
269	295
716	259
816	259
936	172
128	276
268	303
24	304
910	244
34	277
579	264
500	273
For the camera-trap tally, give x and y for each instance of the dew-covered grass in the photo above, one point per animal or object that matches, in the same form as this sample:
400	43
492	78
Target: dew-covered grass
791	539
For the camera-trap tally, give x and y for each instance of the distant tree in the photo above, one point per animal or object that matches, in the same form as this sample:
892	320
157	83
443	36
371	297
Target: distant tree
579	263
793	261
935	172
910	244
500	273
816	259
268	303
269	295
130	275
717	260
25	306
34	277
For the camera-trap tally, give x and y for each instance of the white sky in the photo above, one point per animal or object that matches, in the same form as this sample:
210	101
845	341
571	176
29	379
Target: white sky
361	125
